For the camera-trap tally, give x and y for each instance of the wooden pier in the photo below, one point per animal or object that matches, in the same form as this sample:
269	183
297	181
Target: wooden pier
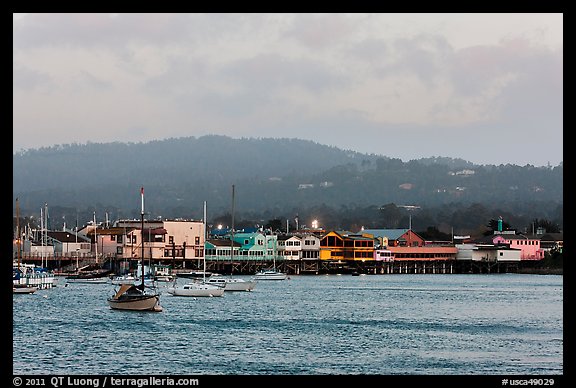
293	267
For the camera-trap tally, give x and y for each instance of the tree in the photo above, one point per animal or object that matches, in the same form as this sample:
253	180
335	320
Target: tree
493	225
547	225
433	234
275	224
391	215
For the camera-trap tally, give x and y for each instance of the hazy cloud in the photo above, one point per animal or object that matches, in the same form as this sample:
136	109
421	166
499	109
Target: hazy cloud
483	87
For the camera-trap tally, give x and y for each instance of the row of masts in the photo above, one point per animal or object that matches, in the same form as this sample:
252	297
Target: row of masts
43	232
44	228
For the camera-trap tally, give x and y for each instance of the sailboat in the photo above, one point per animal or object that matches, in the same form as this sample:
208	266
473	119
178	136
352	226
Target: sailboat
197	288
231	283
136	297
270	273
17	286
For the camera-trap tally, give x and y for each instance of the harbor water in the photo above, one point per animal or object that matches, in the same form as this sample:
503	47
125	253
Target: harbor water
306	325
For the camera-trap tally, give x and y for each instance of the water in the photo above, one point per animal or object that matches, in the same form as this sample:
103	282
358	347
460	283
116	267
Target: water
307	325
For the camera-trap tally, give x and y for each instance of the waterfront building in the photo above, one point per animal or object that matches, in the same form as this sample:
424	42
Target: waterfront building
407	245
310	247
219	249
487	253
395	237
290	247
257	246
528	245
346	246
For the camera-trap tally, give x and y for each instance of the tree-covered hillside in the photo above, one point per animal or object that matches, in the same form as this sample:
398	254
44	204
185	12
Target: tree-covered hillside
275	178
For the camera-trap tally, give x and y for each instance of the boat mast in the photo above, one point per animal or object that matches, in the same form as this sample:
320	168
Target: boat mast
232	236
95	237
18	232
45	234
204	255
142	235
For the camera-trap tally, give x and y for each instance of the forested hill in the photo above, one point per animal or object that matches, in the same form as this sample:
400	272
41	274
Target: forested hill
271	176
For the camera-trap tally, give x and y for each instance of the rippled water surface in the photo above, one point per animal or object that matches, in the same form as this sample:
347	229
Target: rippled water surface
326	324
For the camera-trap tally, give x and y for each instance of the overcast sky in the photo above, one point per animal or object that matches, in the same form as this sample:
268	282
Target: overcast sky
487	88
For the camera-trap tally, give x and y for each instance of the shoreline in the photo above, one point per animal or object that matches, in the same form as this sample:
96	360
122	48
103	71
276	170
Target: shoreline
541	271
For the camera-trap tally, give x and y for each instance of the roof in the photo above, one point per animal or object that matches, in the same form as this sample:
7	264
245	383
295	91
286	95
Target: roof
66	237
220	242
391	234
448	250
110	231
359	237
488	239
553	237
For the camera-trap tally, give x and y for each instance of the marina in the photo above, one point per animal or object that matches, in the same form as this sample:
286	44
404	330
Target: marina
438	324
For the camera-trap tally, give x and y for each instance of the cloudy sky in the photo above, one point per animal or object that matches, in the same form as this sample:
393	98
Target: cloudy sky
487	88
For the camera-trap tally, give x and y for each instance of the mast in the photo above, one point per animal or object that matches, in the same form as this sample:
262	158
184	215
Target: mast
95	237
45	236
42	235
204	255
232	236
142	236
18	232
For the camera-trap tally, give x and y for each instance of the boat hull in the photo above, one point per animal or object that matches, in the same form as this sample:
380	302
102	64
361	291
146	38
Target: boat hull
232	284
87	280
248	285
143	303
270	276
196	291
24	290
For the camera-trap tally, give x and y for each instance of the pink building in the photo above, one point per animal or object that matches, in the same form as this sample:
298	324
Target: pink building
529	246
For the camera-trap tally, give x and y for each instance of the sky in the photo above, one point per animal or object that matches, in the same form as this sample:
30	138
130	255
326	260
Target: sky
483	87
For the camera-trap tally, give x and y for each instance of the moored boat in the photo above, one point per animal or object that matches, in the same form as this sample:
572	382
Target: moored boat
137	297
132	297
270	274
198	289
23	289
232	283
99	276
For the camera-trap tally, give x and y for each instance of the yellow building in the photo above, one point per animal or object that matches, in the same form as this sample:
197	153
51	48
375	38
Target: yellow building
345	246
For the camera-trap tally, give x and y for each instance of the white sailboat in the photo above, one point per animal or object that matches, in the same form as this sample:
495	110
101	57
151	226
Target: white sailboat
197	288
233	283
137	297
270	273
